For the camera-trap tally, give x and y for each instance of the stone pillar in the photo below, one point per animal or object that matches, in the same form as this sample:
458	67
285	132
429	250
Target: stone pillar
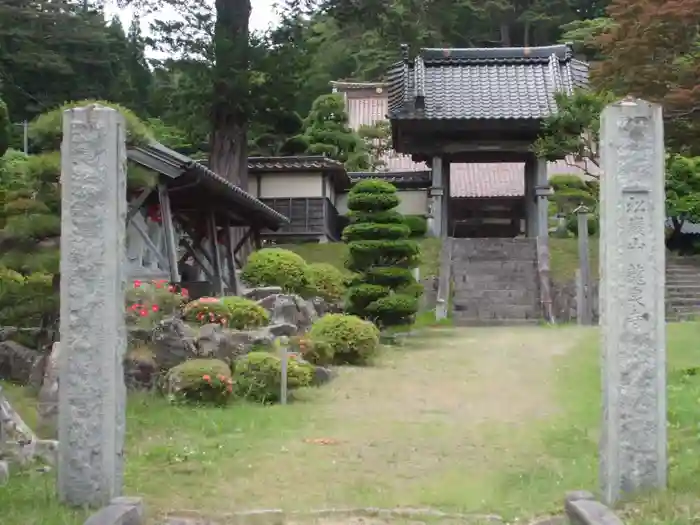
542	191
632	264
446	176
436	194
92	394
530	205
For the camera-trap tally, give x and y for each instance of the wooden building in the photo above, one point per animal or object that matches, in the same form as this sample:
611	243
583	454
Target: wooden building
180	228
304	189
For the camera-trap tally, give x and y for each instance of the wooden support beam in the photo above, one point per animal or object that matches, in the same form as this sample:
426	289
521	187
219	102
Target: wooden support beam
136	205
196	256
231	262
149	243
216	255
170	246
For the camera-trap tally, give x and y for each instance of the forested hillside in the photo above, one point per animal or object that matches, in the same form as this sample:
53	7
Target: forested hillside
54	51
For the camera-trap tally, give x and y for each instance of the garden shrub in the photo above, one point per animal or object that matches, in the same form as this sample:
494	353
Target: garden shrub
257	376
149	302
382	254
207	310
232	312
244	314
25	299
201	381
276	267
326	281
418	225
347	338
312	351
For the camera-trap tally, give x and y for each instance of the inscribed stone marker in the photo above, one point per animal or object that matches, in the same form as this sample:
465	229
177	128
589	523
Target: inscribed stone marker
92	394
632	264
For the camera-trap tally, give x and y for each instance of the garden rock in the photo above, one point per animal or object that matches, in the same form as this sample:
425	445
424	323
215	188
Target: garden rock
4	472
136	335
173	342
282	329
20	364
47	406
6	332
257	294
209	340
237	343
290	309
322	375
140	375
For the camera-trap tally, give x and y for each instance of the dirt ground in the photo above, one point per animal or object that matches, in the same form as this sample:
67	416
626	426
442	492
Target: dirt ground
430	426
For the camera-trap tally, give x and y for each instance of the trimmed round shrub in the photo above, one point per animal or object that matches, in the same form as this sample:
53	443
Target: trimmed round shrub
379	217
351	339
375	231
244	314
418	225
572	224
199	381
373	202
326	281
276	267
395	309
207	310
393	277
257	376
310	350
380	251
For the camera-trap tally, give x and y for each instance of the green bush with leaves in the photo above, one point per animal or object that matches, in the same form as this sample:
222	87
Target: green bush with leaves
381	254
244	314
326	281
4	128
149	302
418	225
276	267
206	381
257	376
344	339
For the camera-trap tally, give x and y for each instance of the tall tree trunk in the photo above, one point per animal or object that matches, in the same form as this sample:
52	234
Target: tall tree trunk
230	112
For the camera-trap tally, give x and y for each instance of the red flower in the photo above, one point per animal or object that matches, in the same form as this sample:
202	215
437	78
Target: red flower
171	288
206	377
229	388
137	284
135	307
184	292
155	308
143	313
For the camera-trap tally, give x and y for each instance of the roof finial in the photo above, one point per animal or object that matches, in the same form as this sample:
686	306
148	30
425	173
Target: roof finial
404	52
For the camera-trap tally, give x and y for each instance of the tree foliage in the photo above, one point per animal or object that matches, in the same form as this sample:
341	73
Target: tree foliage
326	132
651	50
382	255
682	190
574	130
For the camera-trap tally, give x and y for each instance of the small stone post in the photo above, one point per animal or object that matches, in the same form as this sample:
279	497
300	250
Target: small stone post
92	394
632	262
284	366
586	307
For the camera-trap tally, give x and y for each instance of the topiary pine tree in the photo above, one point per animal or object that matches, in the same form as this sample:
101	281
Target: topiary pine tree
326	132
382	255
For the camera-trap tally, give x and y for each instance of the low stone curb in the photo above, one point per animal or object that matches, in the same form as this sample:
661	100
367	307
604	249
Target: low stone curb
279	517
120	511
583	509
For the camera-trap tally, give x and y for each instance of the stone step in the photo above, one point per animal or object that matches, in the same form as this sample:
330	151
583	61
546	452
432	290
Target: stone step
474	321
484	311
682	281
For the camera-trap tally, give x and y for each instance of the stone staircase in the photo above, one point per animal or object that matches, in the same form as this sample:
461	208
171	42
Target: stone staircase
682	288
495	282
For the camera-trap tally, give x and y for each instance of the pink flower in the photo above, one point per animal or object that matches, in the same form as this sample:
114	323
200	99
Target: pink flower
143	313
137	284
155	308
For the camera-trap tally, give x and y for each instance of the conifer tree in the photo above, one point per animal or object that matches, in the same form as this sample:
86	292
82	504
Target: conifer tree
382	255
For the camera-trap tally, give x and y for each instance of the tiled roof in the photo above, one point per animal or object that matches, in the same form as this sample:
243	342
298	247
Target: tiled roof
402	179
297	163
479	83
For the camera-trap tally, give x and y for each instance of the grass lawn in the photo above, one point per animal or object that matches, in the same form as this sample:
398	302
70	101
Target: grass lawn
500	421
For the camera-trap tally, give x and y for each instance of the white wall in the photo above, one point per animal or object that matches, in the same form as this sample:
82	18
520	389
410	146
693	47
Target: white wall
413	202
281	185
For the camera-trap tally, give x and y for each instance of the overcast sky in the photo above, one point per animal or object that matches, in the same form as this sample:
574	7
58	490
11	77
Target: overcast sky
261	17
